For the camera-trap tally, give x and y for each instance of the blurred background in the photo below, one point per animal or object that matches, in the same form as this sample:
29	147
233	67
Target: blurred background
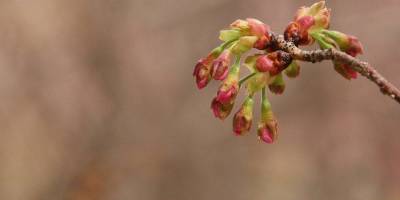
98	102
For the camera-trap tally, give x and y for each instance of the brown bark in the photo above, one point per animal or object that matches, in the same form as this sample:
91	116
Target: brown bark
364	68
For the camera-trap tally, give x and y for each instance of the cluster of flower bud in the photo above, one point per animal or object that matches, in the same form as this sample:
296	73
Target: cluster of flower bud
267	67
306	21
346	43
311	24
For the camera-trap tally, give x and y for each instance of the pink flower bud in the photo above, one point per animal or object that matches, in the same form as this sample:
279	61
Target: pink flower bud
355	47
273	62
319	13
262	31
243	118
307	20
264	64
346	71
227	92
221	110
257	28
265	134
202	70
220	65
267	131
347	43
262	42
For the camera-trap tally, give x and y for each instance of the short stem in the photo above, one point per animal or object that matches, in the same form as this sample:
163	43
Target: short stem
263	95
246	78
227	43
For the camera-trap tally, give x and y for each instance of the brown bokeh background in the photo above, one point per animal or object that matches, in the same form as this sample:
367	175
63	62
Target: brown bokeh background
98	102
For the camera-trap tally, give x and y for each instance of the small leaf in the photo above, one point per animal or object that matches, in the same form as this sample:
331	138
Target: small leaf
229	35
293	70
244	44
322	41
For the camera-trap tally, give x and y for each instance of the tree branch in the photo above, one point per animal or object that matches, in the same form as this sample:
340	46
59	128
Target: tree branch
361	67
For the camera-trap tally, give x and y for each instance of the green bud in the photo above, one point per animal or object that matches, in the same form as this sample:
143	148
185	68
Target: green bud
229	35
277	85
244	44
340	38
293	70
323	41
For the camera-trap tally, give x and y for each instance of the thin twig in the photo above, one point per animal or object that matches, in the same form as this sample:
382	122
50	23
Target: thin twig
361	67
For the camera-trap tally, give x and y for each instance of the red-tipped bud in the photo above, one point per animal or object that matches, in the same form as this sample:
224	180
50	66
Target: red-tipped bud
277	85
347	43
345	70
222	104
293	70
230	87
297	31
273	62
354	46
221	110
202	70
262	31
243	118
220	65
307	20
227	93
264	64
257	28
319	13
262	42
267	129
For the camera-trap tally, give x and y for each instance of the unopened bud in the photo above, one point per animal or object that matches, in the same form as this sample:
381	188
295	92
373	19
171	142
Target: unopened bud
243	118
293	70
221	110
277	86
220	65
244	44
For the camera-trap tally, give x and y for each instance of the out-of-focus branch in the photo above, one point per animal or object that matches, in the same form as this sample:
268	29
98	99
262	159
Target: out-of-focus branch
361	67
